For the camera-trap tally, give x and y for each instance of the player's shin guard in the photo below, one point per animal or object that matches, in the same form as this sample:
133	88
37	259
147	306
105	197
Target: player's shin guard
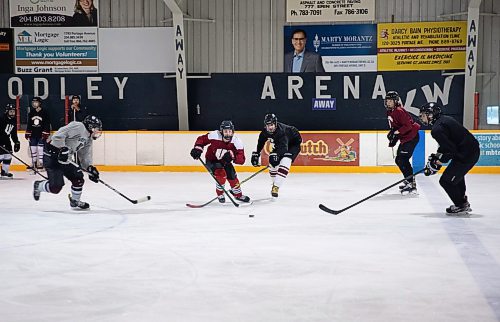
40	156
220	175
76	192
283	169
6	159
236	190
34	155
272	172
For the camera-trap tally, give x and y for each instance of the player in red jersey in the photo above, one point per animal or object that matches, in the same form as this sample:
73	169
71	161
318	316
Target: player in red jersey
224	148
404	129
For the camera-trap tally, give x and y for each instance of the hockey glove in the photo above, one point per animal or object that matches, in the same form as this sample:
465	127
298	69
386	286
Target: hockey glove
392	137
274	159
27	135
196	152
45	135
432	166
436	157
17	147
63	156
93	174
227	157
255	159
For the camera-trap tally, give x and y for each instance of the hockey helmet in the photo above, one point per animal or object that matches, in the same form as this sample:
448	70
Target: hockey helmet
270	119
10	110
394	96
429	113
93	125
227	125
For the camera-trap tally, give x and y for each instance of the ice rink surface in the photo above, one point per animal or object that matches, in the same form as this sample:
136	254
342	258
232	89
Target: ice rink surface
391	258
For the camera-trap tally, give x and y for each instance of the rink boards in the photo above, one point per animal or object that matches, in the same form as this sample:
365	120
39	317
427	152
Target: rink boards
322	151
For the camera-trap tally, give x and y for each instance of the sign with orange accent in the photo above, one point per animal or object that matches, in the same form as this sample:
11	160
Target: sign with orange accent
323	149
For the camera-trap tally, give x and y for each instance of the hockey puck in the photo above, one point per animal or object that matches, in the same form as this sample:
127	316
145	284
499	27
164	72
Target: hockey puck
251	216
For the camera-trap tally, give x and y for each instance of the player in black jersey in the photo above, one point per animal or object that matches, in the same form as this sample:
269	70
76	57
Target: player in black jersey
37	131
286	142
457	144
8	132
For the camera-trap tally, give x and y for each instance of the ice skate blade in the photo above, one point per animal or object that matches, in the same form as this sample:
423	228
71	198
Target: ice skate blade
409	193
80	209
459	214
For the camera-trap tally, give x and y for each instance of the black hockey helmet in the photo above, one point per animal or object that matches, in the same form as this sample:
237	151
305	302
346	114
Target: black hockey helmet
431	111
226	125
10	110
269	119
76	97
392	95
93	125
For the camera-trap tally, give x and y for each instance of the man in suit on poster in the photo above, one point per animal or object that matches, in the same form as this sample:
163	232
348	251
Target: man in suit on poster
299	60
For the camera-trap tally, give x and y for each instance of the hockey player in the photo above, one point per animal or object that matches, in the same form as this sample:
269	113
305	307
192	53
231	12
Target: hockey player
38	131
8	132
457	144
76	111
404	129
224	148
76	137
286	140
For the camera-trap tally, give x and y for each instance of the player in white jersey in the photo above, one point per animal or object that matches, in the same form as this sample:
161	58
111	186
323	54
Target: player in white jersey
76	137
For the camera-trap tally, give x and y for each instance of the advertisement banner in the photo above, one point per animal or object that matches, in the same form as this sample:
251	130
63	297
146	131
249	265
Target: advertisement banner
6	51
55	50
323	149
343	48
490	149
330	10
422	45
53	13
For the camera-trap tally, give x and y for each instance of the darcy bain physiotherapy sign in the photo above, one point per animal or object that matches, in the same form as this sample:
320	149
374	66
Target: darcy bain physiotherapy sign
53	13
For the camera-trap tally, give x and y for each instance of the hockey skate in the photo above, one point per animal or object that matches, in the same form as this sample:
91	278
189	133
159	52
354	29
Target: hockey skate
77	204
463	209
408	188
6	175
36	190
274	191
221	198
242	198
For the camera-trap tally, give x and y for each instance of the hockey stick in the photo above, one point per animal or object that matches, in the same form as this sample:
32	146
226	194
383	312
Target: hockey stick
238	185
225	191
18	159
134	201
336	212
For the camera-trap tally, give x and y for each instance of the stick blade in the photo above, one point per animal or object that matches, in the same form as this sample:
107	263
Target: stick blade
193	206
143	199
328	210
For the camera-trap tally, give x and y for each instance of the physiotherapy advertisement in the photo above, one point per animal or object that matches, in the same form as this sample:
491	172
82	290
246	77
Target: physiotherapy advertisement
422	45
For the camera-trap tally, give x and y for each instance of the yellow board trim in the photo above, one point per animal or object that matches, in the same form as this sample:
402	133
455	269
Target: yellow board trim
295	169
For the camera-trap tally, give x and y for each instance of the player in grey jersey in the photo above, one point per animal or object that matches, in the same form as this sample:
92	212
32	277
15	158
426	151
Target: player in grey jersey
76	137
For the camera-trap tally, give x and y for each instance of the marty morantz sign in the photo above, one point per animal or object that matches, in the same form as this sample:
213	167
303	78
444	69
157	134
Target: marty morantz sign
330	10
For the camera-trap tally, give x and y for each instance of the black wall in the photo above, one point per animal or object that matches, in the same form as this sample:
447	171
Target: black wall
149	100
238	97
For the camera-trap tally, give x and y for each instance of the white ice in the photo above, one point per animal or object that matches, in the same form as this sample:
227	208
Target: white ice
391	258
